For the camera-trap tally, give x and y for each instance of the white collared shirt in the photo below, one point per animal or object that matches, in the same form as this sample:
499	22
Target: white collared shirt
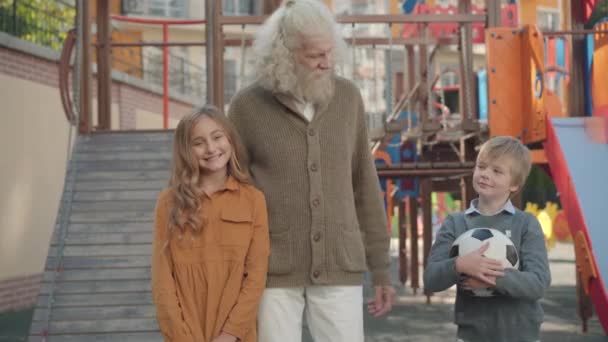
508	207
307	109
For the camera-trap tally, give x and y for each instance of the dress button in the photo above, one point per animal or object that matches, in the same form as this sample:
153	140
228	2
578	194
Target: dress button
313	167
316	274
312	132
317	237
316	202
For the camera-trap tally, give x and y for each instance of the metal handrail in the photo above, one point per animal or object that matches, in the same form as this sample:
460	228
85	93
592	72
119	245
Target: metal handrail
64	70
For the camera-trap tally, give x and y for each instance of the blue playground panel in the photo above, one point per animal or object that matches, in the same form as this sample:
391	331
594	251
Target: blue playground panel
587	77
588	165
482	98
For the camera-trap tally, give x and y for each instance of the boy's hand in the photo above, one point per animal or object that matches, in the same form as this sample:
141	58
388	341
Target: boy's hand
471	283
476	265
224	337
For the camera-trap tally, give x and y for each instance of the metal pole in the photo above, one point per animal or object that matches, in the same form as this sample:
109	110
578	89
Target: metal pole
426	189
402	242
466	68
104	66
411	81
424	78
576	96
214	54
165	77
86	75
493	12
413	220
372	19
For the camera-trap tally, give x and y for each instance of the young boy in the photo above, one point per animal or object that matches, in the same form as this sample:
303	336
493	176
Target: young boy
514	313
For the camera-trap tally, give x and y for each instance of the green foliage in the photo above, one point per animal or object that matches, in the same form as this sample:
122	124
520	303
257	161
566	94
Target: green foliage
600	12
539	188
44	22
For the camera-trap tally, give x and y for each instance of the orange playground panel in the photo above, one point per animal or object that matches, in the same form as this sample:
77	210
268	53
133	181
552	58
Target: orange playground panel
515	83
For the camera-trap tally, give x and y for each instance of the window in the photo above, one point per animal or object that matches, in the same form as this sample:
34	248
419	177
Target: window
179	71
238	7
547	19
449	76
361	8
156	8
185	78
153	65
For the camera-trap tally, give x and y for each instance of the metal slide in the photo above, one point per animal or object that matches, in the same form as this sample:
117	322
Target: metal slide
577	151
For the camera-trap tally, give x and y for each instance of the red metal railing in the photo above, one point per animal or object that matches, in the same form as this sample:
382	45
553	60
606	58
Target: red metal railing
165	46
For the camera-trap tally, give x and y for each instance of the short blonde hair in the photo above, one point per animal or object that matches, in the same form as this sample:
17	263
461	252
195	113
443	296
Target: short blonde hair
508	147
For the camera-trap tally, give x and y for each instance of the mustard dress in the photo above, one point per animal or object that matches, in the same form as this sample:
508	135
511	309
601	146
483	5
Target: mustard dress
211	282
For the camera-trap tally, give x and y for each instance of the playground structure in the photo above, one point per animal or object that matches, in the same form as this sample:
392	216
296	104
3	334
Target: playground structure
526	70
427	147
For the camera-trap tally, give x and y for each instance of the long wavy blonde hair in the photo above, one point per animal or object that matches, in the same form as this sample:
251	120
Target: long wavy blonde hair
186	174
284	32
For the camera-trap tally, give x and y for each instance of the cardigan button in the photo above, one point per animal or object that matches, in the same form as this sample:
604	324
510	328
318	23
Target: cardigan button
312	132
313	167
316	202
316	274
316	237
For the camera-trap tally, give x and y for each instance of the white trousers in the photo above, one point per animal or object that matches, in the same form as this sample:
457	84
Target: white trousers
333	314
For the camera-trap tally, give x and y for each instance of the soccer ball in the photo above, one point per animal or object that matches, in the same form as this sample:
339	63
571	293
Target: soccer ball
501	248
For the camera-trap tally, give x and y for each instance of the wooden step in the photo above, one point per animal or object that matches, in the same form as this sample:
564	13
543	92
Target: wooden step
113	206
135	157
124	165
151	184
104	250
122	175
135	273
104	337
95	287
96	313
97	300
97	272
109	227
75	239
97	326
94	262
116	195
112	217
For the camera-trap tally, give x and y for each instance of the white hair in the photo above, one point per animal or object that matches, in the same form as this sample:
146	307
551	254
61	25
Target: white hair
284	32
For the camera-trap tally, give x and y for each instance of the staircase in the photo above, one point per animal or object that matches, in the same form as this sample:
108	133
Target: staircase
96	284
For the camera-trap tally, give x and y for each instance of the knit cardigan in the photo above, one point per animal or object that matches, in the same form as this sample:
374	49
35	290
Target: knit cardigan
326	215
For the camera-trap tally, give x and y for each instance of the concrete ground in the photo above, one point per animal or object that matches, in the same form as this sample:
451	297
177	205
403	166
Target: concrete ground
412	319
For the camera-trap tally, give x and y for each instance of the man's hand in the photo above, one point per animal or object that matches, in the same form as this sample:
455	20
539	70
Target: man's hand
478	266
471	283
224	337
382	302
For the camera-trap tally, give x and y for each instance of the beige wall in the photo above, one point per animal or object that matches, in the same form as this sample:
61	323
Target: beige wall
148	120
114	115
33	143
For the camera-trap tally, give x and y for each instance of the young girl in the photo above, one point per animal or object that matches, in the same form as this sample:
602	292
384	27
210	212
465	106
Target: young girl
211	243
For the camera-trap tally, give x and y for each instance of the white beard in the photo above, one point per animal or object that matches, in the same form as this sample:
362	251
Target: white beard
314	86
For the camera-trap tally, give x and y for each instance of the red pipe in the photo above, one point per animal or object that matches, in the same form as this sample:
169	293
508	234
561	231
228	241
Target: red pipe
165	24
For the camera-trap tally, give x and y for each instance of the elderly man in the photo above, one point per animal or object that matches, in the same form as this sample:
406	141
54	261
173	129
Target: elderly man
305	134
